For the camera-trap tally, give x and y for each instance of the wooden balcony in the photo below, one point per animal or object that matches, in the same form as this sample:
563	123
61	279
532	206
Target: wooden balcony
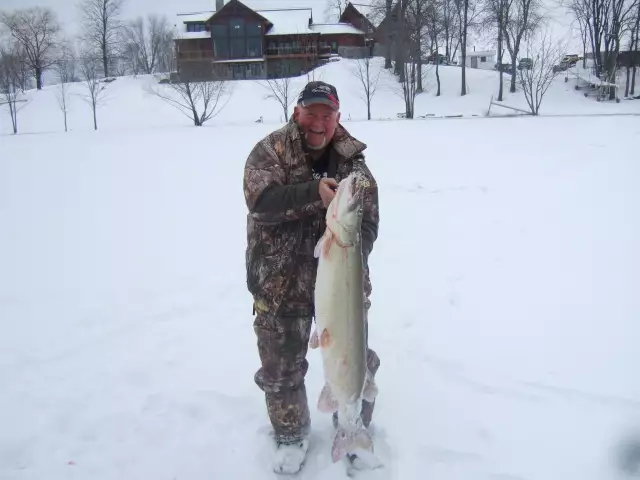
195	55
292	52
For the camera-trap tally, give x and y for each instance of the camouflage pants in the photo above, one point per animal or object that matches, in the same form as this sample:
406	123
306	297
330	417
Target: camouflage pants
283	342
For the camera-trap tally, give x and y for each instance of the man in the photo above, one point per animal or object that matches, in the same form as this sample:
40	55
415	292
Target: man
290	178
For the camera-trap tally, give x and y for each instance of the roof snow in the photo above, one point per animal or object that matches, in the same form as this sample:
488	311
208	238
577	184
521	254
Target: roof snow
335	28
191	35
195	16
287	22
480	53
373	14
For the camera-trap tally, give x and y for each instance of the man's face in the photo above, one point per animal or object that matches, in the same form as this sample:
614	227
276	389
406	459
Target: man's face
318	123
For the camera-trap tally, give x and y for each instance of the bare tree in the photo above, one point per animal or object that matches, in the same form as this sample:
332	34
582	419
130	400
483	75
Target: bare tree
408	88
495	16
450	28
582	15
607	22
96	89
102	27
523	18
281	90
65	66
198	101
436	28
334	10
536	80
10	61
149	44
36	30
414	23
636	37
384	13
368	81
468	12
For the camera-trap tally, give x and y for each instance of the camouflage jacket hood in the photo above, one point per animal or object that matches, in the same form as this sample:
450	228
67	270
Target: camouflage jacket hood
286	215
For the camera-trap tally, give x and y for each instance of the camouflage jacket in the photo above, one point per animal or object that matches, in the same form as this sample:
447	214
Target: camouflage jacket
286	216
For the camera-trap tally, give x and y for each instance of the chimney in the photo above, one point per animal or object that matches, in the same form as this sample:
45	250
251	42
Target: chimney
219	5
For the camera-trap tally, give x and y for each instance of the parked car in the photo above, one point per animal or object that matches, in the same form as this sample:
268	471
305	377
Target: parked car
571	60
505	67
561	67
525	64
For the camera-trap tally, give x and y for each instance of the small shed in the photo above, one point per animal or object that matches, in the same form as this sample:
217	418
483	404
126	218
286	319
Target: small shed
484	60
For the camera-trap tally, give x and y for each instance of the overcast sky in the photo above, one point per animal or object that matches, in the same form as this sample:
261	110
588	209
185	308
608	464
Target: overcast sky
67	10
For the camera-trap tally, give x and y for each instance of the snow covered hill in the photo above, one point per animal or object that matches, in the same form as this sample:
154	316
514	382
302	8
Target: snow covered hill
128	103
504	308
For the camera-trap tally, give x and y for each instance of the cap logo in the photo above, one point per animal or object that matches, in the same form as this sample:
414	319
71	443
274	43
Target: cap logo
322	89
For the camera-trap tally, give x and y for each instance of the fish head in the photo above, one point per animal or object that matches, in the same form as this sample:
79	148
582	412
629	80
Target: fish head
344	215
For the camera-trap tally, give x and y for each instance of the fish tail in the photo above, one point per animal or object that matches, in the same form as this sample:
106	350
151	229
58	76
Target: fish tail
357	442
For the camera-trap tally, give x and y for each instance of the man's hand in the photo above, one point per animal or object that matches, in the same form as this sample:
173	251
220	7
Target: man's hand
327	190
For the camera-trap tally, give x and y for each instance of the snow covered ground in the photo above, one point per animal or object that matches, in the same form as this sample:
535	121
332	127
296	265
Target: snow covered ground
505	307
129	105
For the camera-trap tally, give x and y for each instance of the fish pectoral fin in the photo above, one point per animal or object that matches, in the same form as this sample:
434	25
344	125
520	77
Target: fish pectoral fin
370	390
314	341
323	244
327	403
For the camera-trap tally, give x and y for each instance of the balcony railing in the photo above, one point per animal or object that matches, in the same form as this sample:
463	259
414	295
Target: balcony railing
197	55
286	51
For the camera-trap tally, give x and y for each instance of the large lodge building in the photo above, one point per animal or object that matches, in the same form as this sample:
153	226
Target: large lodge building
236	42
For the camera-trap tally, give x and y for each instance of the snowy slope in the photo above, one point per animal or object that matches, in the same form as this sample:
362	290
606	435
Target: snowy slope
128	104
505	307
504	310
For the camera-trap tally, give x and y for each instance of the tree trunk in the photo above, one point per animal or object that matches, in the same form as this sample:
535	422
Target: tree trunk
13	110
95	118
500	53
368	107
38	72
437	76
463	49
387	58
635	49
419	89
626	88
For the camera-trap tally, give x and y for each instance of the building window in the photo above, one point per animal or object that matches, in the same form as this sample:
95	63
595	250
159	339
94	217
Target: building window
196	27
219	34
254	47
483	59
237	48
236	27
254	70
254	29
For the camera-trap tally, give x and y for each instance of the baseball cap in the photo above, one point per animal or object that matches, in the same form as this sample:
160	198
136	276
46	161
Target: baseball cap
319	92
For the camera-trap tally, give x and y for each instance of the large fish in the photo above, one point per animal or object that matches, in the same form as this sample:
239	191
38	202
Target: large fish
340	321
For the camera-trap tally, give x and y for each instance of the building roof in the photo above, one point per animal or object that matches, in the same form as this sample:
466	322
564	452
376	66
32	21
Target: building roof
336	28
195	16
480	53
287	21
370	12
191	35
